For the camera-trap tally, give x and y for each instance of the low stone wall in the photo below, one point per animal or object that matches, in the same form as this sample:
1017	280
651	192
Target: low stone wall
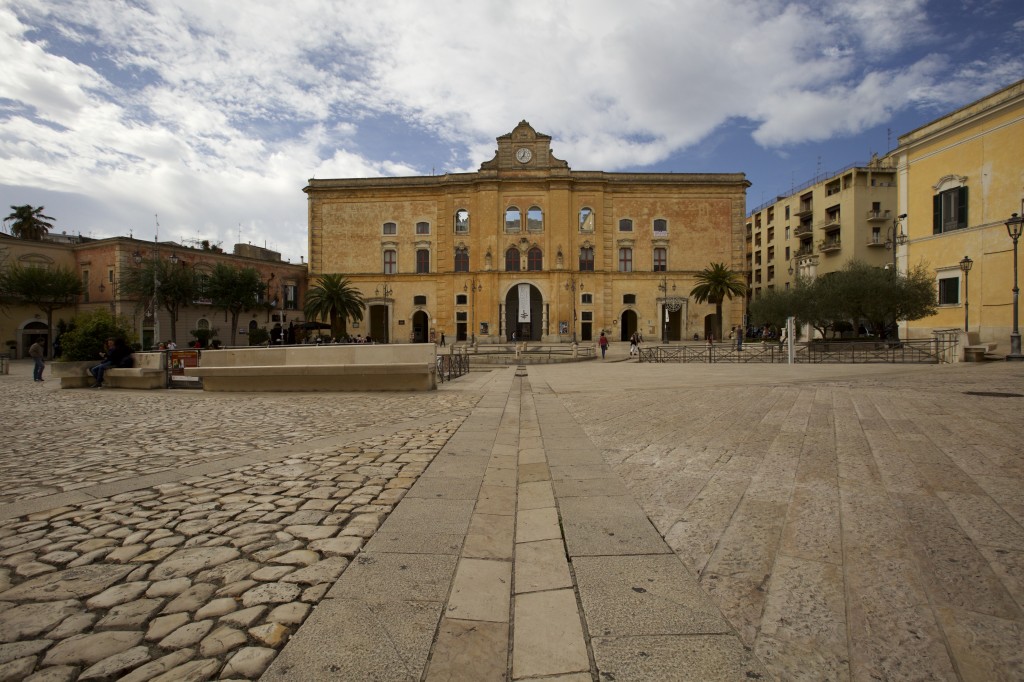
149	372
356	367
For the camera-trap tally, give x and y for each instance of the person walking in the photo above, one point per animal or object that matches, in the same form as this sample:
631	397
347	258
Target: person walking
632	344
739	337
36	352
442	339
603	342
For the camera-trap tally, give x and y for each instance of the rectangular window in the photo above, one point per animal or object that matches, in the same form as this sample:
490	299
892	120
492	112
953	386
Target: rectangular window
586	299
422	228
422	261
390	228
625	225
660	260
390	262
291	296
461	316
949	210
625	260
587	259
85	286
462	260
949	291
661	226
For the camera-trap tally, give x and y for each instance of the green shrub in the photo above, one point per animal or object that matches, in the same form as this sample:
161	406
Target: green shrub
88	334
203	336
258	336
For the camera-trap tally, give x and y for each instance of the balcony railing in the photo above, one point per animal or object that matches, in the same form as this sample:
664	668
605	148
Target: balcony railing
831	223
876	240
879	215
829	245
802	230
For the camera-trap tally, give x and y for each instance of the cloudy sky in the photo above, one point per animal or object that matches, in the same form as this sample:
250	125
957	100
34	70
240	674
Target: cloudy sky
212	114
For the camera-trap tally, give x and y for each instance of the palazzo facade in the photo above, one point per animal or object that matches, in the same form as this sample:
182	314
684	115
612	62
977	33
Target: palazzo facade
527	247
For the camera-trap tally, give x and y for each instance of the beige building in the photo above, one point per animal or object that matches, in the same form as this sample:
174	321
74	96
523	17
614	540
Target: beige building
822	226
961	177
101	263
528	246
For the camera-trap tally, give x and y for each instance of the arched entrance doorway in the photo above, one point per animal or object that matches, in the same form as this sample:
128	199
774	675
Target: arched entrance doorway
710	326
420	327
627	325
32	331
524	313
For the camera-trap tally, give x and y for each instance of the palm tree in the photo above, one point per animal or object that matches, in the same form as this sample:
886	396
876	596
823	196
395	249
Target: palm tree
715	284
335	298
29	223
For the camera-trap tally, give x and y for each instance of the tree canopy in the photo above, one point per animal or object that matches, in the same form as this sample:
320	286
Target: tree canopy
334	298
716	283
859	293
168	284
27	222
233	290
46	289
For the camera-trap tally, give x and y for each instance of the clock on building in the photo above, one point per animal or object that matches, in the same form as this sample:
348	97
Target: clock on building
523	155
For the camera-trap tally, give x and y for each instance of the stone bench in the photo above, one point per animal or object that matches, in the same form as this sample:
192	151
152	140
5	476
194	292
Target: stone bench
977	352
149	372
391	367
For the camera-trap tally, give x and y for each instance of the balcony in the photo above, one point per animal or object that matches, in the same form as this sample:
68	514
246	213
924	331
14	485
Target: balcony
804	210
802	230
877	216
804	251
876	240
829	245
831	223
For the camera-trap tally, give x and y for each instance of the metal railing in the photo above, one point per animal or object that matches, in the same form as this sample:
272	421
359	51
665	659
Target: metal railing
452	366
919	351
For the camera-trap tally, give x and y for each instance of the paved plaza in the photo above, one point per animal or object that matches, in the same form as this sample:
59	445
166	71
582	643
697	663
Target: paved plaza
596	521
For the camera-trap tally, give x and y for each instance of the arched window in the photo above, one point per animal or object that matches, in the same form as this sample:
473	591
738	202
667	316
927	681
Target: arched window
535	219
535	259
625	260
390	229
422	227
512	259
660	226
660	259
513	219
625	225
422	260
586	259
202	323
390	262
462	221
461	260
586	219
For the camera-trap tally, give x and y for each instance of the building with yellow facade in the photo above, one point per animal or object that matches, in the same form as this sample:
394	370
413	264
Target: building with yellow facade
960	178
823	225
526	246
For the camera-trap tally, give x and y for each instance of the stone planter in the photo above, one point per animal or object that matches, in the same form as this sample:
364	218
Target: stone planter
72	374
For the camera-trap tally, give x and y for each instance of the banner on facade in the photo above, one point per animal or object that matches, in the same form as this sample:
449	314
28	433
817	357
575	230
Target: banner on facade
524	302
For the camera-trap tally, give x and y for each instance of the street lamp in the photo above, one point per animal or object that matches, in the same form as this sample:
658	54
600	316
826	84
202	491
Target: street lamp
1014	226
896	237
471	286
965	267
571	286
385	291
668	305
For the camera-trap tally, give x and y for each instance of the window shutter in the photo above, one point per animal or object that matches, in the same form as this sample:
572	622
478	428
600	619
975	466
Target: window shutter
961	208
937	214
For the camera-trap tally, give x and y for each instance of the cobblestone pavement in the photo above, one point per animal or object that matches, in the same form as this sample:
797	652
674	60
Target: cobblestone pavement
204	576
830	523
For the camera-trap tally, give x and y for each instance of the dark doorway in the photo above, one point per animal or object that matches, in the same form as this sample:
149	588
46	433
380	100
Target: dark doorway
672	324
420	326
379	323
525	329
587	331
627	324
460	331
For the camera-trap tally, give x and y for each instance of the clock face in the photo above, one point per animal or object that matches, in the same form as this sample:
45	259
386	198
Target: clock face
523	155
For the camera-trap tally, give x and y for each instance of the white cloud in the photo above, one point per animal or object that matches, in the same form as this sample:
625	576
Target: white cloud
211	115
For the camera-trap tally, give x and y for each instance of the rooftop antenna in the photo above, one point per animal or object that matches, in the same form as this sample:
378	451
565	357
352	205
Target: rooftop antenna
239	233
156	235
888	139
